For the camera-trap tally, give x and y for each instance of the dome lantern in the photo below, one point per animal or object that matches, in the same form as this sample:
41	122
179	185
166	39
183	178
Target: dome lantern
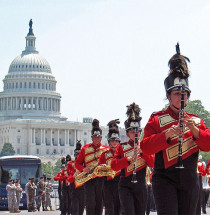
30	41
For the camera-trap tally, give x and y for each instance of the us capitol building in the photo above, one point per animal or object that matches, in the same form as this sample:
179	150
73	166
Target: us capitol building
30	117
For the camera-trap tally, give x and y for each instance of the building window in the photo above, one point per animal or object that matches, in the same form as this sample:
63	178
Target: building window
54	151
34	85
47	152
85	142
38	85
18	140
18	151
16	84
29	85
61	151
25	84
85	133
71	143
18	130
20	84
37	151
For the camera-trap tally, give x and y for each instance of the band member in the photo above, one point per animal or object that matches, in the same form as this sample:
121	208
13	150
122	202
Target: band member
11	196
111	194
129	158
66	191
19	194
163	136
77	193
86	161
41	188
206	188
60	185
201	172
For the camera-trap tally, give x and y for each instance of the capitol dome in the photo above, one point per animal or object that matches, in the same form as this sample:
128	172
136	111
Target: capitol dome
29	87
30	62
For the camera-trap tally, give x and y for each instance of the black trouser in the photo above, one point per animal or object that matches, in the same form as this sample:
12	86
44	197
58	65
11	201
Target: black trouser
78	200
133	196
149	199
93	196
205	199
175	191
111	197
200	196
66	194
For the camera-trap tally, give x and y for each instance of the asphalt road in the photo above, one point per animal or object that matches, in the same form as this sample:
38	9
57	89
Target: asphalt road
57	212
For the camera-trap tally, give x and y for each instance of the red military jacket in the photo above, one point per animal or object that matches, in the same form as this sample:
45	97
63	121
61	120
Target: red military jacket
120	160
106	158
89	156
71	169
58	178
65	174
208	171
154	140
201	169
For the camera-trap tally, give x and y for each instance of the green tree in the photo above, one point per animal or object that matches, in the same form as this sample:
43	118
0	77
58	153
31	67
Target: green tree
197	108
47	168
57	167
7	150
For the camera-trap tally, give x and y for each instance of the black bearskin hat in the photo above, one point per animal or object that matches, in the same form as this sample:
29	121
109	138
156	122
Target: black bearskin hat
178	74
113	130
96	131
134	119
68	158
63	160
78	148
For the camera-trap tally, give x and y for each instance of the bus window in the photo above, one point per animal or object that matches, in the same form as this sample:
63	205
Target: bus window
28	172
8	172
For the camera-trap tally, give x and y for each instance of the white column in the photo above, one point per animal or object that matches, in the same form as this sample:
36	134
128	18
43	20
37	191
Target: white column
21	104
37	103
32	103
44	138
26	103
51	137
31	135
41	141
75	136
65	136
16	104
47	104
34	135
68	137
58	137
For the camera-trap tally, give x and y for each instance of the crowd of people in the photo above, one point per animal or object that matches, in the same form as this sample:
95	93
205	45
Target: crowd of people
41	191
170	147
161	172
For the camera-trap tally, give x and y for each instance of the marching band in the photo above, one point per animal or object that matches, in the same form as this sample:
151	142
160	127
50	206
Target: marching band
124	177
115	176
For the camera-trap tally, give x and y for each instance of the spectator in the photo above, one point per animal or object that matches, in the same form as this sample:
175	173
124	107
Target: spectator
11	196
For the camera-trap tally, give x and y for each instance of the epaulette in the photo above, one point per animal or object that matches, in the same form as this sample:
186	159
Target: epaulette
157	113
192	114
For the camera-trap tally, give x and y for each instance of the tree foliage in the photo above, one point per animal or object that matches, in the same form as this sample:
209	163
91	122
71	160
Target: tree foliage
51	170
7	150
197	108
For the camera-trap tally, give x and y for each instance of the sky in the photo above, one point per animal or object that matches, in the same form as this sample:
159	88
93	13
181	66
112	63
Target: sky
107	54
